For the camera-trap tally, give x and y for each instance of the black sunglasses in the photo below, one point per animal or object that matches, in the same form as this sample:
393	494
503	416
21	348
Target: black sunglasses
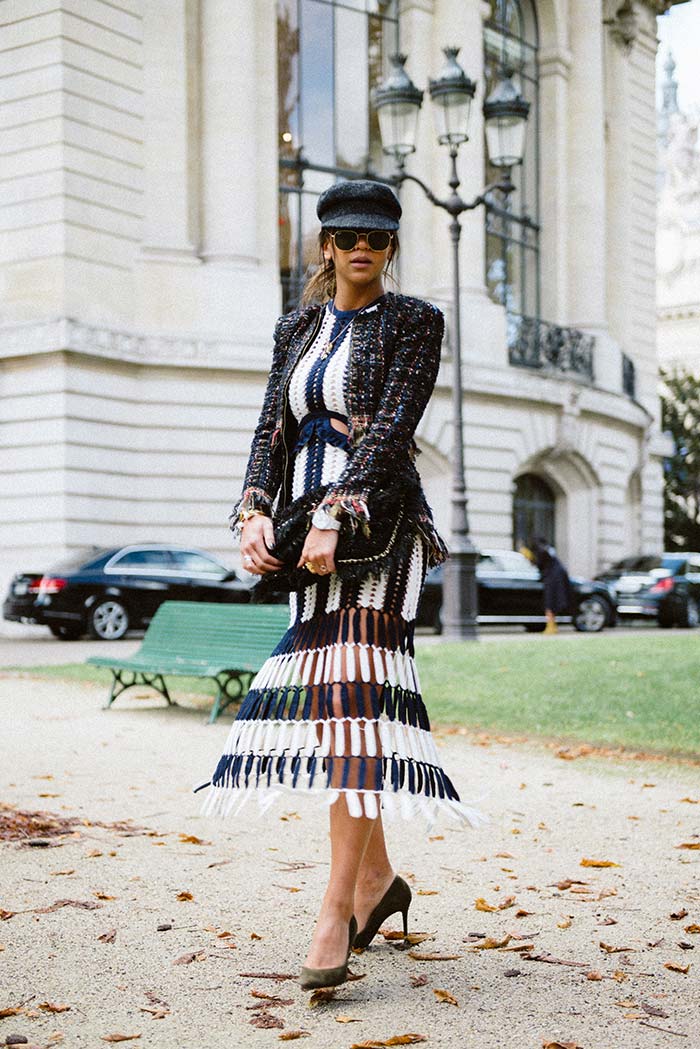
346	239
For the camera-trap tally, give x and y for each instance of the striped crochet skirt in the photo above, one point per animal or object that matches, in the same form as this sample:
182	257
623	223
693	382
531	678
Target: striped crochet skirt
337	708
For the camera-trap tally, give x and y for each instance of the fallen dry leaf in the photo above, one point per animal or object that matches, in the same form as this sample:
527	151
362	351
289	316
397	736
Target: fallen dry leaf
691	801
399	1039
51	1007
594	975
691	929
654	1010
418	981
87	905
565	924
522	913
480	904
156	1012
290	1036
272	998
676	916
119	1037
676	968
191	956
445	997
109	936
431	956
191	839
11	1010
347	1020
566	883
184	896
321	996
610	949
490	943
266	1021
71	870
689	845
427	892
103	896
544	956
560	1045
599	863
255	936
619	976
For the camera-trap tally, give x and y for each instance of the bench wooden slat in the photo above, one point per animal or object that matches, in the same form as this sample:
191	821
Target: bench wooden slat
200	639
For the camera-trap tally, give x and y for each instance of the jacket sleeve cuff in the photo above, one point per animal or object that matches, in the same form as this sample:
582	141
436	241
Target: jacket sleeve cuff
348	507
251	499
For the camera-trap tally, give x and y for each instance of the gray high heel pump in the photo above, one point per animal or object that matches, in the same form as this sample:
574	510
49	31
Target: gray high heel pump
313	978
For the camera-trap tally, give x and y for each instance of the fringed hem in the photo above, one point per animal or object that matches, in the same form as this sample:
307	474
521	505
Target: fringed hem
222	803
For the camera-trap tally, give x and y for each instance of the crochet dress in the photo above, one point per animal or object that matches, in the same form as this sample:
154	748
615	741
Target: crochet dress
337	707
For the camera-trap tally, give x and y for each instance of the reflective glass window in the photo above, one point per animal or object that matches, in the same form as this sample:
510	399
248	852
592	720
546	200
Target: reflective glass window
512	235
330	54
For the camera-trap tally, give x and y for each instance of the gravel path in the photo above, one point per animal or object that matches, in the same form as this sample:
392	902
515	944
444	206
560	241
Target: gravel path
261	880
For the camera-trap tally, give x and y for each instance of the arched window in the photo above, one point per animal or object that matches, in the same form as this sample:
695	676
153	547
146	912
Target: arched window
512	243
533	509
330	54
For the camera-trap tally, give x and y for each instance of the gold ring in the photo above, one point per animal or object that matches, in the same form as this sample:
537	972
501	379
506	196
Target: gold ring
310	567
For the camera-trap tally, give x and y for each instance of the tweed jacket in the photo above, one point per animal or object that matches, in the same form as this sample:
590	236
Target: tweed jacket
394	359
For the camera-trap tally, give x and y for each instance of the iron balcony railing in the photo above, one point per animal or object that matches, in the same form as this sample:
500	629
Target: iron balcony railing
537	344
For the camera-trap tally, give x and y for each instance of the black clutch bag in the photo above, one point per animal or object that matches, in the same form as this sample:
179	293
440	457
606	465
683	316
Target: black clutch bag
358	554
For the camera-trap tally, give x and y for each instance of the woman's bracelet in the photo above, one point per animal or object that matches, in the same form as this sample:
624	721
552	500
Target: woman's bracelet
245	515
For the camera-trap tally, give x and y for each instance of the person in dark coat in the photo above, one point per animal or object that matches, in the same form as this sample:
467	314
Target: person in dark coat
555	581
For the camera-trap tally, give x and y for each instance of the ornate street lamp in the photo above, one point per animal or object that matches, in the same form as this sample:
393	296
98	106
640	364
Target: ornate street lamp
397	102
505	117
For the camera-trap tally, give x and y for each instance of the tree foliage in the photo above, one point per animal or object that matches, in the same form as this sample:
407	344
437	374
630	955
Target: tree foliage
680	402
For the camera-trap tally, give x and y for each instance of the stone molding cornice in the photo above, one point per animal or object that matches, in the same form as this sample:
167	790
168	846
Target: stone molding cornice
65	334
558	393
31	338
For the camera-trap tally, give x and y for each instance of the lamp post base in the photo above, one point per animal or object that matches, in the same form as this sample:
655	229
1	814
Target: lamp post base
459	600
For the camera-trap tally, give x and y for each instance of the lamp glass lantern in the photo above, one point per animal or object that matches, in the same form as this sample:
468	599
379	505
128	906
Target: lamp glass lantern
505	118
452	93
398	103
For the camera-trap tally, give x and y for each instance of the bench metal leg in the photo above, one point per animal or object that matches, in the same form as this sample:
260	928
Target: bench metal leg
123	679
230	689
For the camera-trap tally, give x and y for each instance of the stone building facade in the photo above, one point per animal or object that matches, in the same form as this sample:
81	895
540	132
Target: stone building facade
160	161
678	234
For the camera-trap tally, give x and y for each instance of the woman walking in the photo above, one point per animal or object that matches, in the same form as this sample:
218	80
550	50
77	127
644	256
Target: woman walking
556	584
336	711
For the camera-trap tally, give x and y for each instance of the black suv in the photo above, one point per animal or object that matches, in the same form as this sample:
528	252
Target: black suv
665	587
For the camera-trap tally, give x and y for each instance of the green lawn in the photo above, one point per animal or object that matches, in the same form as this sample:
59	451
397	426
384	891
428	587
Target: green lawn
632	691
635	691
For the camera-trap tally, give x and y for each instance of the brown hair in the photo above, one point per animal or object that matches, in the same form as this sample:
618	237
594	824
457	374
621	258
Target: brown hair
320	287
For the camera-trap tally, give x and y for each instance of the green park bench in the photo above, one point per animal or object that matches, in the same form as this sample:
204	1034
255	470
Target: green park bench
228	643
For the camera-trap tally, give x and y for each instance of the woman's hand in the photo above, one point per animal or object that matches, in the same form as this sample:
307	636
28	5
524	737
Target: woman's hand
257	536
319	550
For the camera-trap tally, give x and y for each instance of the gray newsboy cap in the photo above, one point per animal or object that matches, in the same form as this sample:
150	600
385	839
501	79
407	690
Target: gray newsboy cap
359	204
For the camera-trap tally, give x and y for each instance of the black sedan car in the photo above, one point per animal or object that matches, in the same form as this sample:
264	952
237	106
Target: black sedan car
510	592
664	587
107	592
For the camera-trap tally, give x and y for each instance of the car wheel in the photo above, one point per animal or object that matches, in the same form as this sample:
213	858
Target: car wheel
664	620
690	616
591	615
109	620
67	632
